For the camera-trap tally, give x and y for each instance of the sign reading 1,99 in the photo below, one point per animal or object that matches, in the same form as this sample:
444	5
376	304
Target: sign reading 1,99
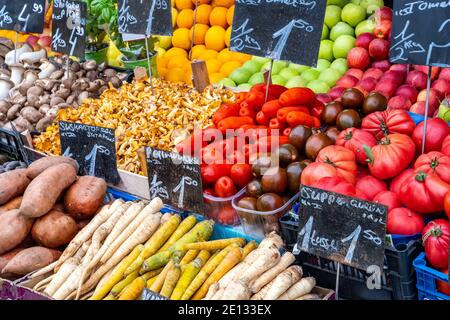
22	15
69	27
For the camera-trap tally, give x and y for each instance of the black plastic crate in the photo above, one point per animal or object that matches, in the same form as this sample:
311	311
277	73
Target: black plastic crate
11	144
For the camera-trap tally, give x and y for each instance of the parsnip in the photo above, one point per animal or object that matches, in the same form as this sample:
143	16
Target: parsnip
67	268
240	291
283	282
261	293
261	264
298	289
309	296
286	260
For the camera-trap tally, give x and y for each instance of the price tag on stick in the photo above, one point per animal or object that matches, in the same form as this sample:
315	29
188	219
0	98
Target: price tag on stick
94	149
69	27
22	15
347	230
175	179
150	295
280	30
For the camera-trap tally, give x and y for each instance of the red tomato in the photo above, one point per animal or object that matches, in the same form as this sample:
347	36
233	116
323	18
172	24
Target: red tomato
317	109
391	156
389	199
446	146
208	192
227	215
382	123
362	172
443	286
370	186
335	184
316	171
212	172
361	195
224	187
437	131
404	221
398	181
241	174
436	237
342	159
424	192
354	139
434	162
447	204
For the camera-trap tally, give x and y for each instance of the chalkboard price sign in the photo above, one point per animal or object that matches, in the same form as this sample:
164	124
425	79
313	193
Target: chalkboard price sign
92	147
145	17
22	15
281	30
421	33
150	295
175	179
344	229
69	27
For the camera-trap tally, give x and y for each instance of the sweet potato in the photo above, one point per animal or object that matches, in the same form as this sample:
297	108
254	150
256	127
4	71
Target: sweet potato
59	207
5	258
31	259
43	192
84	197
40	165
13	184
11	205
54	229
14	228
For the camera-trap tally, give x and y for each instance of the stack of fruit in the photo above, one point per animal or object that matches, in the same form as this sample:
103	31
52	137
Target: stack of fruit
207	29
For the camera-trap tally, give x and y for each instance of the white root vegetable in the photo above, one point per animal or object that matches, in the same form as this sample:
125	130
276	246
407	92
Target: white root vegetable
43	283
240	291
63	273
261	293
272	239
283	282
309	296
212	291
264	262
70	285
298	289
218	294
286	260
152	208
43	271
166	217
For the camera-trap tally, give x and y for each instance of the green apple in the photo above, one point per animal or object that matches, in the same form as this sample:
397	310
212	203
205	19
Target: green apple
318	86
296	82
227	82
245	86
332	15
326	50
339	3
339	29
322	65
256	78
260	60
288	73
366	3
343	45
325	32
310	74
298	67
277	79
330	76
252	66
240	75
340	65
353	14
444	112
365	26
277	66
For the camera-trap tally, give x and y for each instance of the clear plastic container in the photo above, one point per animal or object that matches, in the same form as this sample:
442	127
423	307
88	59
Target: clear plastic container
220	210
259	223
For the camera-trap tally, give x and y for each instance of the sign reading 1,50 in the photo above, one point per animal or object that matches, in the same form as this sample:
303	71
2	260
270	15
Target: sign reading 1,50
92	157
180	188
310	236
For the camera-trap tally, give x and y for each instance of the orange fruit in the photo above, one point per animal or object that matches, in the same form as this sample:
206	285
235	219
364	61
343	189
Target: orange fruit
213	65
241	57
172	52
175	75
178	62
215	77
162	72
227	37
228	67
215	38
203	12
180	39
208	54
230	13
222	3
174	17
185	18
162	61
184	4
225	55
200	2
218	17
197	51
199	33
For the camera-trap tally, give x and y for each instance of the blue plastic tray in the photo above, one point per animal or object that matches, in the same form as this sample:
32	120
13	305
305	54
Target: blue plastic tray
426	280
418	118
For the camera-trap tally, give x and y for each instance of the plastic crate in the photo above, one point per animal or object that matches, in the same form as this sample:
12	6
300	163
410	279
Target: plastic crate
426	280
418	118
12	145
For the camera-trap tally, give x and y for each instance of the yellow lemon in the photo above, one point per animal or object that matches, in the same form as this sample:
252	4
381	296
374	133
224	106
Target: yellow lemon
180	38
185	18
174	17
230	14
222	3
199	33
218	17
175	75
229	67
197	51
208	54
162	72
215	38
215	77
213	65
184	4
162	62
227	37
172	52
225	55
178	62
241	57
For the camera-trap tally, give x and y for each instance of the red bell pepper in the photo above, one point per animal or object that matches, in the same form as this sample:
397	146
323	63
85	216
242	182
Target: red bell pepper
270	108
275	90
262	118
283	112
295	118
234	123
297	97
225	111
246	111
276	124
254	100
287	131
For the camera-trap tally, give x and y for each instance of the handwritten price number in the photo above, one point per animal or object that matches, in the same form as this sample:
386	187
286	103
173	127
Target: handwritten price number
161	5
38	8
4	16
57	40
157	189
180	188
92	157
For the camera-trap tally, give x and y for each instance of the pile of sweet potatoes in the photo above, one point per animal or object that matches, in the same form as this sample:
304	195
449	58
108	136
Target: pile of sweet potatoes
41	209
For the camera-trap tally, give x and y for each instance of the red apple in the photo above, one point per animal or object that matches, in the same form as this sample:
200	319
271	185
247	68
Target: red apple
399	102
324	98
387	87
364	39
373	73
379	49
383	29
445	74
383	65
408	92
434	70
442	88
357	73
398	76
358	58
384	13
336	92
417	79
433	99
399	67
45	41
347	81
32	40
368	83
419	108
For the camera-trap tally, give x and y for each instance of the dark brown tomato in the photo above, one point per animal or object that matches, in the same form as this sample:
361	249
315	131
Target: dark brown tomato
287	154
269	202
298	136
316	143
352	99
348	119
332	133
294	173
374	102
274	180
331	112
254	188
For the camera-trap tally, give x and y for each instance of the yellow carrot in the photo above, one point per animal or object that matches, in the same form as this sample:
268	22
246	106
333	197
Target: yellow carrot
133	290
171	280
117	275
109	297
151	281
214	244
233	257
155	242
184	227
249	247
158	283
115	291
189	256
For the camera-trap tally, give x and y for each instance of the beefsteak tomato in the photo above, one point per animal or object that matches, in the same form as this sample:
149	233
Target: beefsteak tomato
335	184
370	186
434	162
316	171
424	192
446	146
404	221
354	139
389	199
447	204
390	156
437	131
382	123
397	182
436	237
342	159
